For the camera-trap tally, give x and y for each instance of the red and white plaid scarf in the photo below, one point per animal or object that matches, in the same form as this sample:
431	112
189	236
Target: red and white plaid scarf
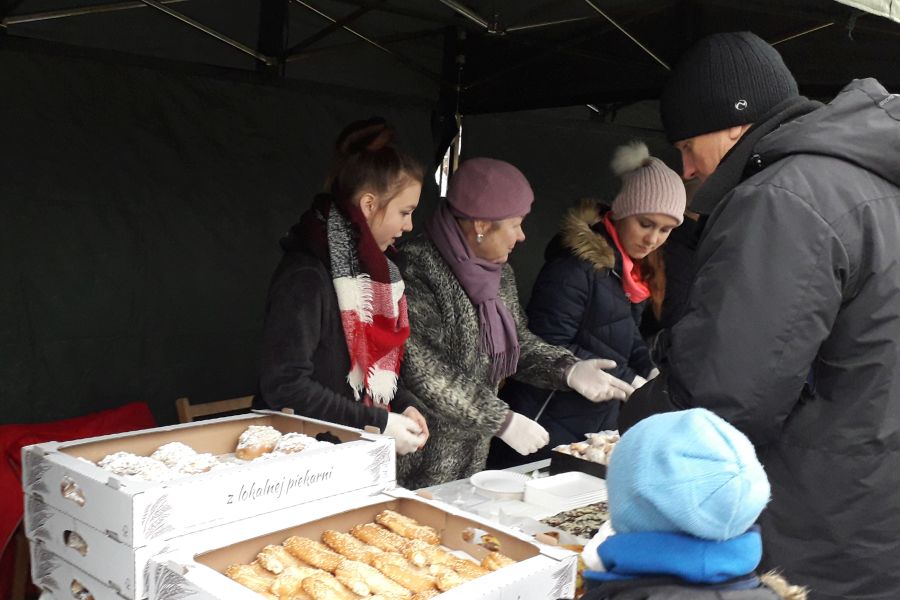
370	295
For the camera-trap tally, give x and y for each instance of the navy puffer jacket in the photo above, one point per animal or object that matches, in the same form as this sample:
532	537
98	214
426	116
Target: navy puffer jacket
578	302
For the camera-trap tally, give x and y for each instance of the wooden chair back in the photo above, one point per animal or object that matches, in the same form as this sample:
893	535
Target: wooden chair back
187	412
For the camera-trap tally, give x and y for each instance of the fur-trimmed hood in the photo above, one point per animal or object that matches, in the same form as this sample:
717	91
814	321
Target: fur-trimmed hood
580	236
780	586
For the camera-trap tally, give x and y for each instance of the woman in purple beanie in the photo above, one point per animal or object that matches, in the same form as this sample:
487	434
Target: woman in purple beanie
468	333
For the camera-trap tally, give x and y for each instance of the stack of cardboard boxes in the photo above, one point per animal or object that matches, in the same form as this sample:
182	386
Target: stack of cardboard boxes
97	535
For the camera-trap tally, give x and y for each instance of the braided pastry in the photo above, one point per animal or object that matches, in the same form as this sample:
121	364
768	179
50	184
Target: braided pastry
276	558
326	587
288	584
421	554
312	552
379	537
446	578
351	572
407	527
349	546
397	568
495	560
252	576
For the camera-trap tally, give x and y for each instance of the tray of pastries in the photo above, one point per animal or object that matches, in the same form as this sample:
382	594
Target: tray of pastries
393	557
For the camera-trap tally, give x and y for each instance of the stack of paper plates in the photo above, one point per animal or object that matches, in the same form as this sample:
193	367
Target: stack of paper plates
565	491
503	485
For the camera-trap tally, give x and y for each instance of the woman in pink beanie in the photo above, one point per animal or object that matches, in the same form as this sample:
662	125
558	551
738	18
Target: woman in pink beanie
591	292
468	333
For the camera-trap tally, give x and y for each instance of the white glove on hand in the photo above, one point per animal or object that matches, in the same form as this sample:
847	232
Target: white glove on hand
590	554
406	433
524	435
638	382
588	378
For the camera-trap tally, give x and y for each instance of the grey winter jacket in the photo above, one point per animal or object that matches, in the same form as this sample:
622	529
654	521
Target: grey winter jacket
798	279
449	377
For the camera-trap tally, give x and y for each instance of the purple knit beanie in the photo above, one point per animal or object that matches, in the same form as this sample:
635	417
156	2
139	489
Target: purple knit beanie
648	185
490	190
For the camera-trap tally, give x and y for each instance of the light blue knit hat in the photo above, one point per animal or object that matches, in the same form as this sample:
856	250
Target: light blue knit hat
689	472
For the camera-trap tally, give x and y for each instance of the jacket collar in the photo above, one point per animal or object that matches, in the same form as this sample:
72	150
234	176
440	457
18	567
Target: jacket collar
738	163
579	235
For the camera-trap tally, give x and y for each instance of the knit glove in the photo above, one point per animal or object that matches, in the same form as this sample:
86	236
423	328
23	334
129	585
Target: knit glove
406	433
524	435
588	378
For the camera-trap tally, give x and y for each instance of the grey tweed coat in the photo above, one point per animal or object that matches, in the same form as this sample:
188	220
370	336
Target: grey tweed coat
448	376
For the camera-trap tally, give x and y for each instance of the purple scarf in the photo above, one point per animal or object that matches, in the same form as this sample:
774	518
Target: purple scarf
481	282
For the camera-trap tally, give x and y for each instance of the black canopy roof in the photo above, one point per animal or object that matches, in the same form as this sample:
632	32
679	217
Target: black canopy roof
476	56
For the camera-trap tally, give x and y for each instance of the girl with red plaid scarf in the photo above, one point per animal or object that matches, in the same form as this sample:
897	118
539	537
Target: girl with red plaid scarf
336	317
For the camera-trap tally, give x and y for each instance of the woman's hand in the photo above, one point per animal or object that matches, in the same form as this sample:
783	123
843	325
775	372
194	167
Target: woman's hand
416	416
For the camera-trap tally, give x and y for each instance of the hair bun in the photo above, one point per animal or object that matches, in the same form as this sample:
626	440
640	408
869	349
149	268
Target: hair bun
369	135
629	157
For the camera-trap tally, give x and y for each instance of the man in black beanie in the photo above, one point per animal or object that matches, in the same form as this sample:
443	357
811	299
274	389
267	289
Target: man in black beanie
792	330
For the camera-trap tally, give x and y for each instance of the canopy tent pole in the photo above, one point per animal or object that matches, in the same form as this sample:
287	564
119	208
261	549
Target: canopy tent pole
77	12
802	33
211	32
631	37
402	59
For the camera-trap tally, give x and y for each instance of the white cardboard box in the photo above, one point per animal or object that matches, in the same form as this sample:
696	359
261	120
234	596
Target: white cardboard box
125	569
65	476
59	579
541	573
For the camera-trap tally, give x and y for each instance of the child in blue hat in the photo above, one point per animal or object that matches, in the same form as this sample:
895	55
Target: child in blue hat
685	489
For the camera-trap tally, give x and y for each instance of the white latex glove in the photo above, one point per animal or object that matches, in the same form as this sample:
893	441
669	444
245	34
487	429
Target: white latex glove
588	378
589	554
406	433
524	435
638	381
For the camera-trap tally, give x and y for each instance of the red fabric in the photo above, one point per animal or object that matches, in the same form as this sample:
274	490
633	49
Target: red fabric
633	282
371	298
13	438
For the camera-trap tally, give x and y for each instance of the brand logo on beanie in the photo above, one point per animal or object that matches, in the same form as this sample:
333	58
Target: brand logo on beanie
740	104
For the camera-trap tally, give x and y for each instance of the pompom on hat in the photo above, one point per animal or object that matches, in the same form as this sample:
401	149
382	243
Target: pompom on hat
648	185
686	472
724	80
489	189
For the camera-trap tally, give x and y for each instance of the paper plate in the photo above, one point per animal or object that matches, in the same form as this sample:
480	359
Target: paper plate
500	484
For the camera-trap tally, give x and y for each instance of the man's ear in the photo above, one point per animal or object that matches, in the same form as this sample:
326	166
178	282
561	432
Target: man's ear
368	204
735	133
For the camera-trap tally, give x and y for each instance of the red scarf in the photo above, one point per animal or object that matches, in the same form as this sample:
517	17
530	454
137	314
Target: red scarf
370	296
636	289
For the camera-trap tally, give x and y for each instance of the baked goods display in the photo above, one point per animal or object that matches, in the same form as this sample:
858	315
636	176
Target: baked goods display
582	522
176	459
405	562
598	447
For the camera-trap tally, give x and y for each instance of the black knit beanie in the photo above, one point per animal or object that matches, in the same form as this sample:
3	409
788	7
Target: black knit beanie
724	80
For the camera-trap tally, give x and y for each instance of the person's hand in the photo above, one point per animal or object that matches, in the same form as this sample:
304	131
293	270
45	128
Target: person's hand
524	435
638	381
406	433
588	378
416	416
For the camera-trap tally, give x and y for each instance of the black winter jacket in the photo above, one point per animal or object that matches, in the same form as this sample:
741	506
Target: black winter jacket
578	303
798	279
773	587
305	361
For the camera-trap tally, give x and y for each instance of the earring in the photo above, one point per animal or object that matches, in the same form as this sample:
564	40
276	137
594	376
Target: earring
479	238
